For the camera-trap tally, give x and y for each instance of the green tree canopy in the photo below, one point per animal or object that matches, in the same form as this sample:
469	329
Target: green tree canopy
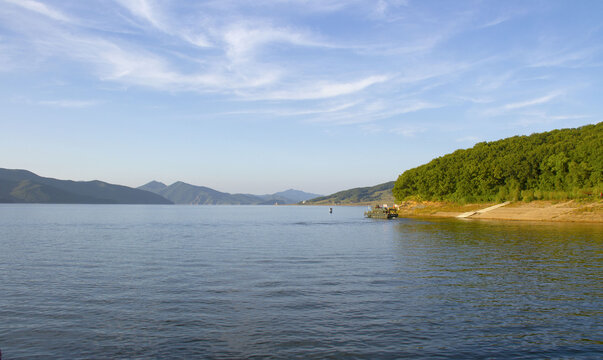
556	164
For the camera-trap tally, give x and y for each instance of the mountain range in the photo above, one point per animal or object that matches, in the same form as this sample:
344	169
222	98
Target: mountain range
183	193
22	186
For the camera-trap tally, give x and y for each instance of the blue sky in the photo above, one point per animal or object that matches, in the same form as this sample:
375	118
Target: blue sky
260	96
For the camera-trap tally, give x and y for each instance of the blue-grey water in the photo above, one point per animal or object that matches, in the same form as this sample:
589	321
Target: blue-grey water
183	282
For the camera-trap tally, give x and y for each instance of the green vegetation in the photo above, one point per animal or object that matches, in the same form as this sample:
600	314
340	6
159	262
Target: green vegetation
381	193
555	165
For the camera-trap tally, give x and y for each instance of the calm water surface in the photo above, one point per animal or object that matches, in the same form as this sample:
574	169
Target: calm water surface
182	282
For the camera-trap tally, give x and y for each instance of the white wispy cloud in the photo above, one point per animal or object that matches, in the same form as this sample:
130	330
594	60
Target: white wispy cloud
373	111
512	13
531	102
305	6
244	39
520	106
325	90
413	45
6	61
153	13
144	9
382	8
497	21
150	70
414	106
408	130
236	63
492	82
235	67
238	50
131	65
529	118
40	8
69	103
570	58
317	110
569	117
475	99
432	74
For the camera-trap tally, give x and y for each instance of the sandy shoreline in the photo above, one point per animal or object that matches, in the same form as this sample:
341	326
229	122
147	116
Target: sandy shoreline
562	211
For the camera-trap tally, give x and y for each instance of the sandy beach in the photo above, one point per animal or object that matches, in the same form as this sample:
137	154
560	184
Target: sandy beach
561	211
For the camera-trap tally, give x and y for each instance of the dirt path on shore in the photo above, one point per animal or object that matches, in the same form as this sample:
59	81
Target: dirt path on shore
479	212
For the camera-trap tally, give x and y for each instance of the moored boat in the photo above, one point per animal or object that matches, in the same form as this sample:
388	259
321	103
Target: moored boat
381	212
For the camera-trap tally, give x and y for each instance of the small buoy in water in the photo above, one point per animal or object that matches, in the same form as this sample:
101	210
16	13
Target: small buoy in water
330	210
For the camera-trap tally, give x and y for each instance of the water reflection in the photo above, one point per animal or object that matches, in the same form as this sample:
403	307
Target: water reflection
526	284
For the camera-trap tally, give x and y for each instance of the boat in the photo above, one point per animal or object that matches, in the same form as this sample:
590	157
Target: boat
381	212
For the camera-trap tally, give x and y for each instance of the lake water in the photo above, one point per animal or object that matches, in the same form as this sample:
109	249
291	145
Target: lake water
182	282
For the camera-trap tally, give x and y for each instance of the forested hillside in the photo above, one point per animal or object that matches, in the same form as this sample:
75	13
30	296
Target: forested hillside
22	186
381	193
558	164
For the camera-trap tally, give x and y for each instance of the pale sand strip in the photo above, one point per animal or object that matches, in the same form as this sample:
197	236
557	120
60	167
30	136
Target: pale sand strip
565	211
478	212
539	210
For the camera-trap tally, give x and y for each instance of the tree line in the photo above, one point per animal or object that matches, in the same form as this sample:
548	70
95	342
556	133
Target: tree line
554	165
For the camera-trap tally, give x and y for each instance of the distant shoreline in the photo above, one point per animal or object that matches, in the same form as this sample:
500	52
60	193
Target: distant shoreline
569	211
553	211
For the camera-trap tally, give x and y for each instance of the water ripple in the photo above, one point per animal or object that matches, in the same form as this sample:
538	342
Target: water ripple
292	282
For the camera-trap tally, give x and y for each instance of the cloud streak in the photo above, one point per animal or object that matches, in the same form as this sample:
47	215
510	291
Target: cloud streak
67	103
537	101
40	8
152	13
327	90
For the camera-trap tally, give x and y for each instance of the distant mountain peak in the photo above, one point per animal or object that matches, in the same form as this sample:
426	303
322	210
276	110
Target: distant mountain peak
153	186
296	195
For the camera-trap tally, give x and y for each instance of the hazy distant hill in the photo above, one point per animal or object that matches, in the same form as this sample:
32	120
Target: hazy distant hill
183	193
294	195
22	186
381	193
153	186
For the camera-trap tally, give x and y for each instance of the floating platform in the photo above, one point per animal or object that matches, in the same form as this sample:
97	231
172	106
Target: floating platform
381	213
